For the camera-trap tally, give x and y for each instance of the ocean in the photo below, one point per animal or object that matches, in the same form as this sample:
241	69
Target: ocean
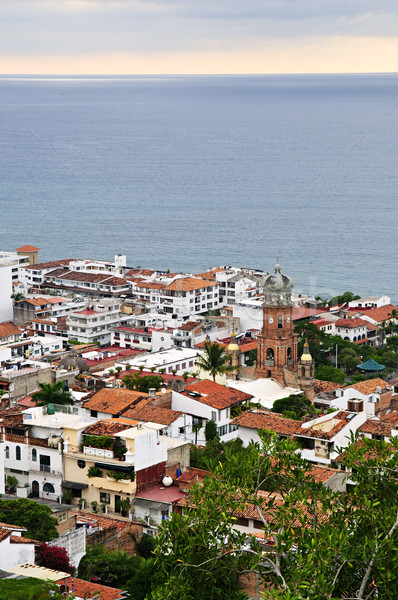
188	172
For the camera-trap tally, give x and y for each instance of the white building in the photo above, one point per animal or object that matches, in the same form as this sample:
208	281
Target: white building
94	323
175	359
353	330
14	551
370	302
6	304
204	401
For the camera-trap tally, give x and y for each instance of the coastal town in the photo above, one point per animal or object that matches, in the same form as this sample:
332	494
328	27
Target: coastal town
127	392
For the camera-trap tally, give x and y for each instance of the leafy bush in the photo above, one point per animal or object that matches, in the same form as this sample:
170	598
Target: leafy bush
53	557
94	472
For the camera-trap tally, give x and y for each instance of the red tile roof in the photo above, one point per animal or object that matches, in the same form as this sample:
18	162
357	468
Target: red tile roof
382	313
154	414
27	248
369	386
113	401
392	418
189	325
110	427
189	284
162	493
267	420
340	421
49	265
87	589
215	395
193	474
320	387
350	323
34	301
7	328
376	427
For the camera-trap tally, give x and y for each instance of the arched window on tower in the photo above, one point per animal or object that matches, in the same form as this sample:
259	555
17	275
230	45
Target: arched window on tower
280	322
302	371
289	352
270	354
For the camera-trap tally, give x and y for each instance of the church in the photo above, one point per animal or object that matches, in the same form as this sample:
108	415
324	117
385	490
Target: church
277	343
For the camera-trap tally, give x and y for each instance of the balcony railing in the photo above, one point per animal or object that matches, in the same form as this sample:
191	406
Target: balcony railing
269	363
45	468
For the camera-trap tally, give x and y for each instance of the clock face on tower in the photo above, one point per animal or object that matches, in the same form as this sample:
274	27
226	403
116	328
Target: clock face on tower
288	319
270	320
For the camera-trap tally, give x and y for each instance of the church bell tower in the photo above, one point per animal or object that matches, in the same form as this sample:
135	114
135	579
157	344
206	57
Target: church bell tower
277	343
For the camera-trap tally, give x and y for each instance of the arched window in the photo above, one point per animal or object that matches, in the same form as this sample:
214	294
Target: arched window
34	454
270	354
302	371
18	453
289	352
7	452
354	338
280	322
48	487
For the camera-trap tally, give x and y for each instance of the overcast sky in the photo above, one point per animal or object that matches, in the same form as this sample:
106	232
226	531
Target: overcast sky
198	36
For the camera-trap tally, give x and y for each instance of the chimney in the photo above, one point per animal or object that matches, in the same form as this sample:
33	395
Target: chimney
152	392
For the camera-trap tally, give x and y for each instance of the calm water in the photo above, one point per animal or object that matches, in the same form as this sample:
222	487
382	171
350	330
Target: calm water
189	172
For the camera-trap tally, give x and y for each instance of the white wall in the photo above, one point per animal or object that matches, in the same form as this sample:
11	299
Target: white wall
149	450
13	555
6	305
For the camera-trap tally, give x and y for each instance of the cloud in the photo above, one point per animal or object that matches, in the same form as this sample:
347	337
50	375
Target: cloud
147	27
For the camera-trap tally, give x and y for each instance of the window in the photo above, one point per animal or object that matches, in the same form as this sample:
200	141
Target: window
7	452
81	464
49	488
45	463
93	413
165	514
34	454
61	516
222	430
18	453
214	415
105	498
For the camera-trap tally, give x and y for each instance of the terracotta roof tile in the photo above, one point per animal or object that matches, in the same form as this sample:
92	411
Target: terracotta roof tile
369	386
109	427
215	395
27	248
339	419
376	427
320	387
49	265
87	589
392	418
350	323
193	474
189	284
380	314
7	328
267	420
153	414
19	539
101	521
34	301
189	325
113	401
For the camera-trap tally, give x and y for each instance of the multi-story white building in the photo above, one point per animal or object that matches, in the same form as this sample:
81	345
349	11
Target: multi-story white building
354	330
95	322
182	297
33	448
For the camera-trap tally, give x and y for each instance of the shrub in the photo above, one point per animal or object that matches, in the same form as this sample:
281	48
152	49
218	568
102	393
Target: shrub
53	557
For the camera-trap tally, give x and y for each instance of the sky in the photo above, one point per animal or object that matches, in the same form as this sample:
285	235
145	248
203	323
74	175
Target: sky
198	36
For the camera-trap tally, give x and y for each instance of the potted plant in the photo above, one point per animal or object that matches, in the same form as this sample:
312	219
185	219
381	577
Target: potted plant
124	505
94	505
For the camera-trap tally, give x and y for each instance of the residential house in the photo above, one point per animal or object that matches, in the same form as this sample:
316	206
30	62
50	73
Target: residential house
205	400
249	423
112	459
95	322
352	329
15	549
176	423
374	396
321	437
112	402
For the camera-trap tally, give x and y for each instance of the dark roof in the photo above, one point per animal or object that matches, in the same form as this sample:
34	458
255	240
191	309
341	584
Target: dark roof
371	365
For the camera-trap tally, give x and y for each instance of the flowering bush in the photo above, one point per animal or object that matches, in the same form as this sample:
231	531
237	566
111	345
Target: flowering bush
53	557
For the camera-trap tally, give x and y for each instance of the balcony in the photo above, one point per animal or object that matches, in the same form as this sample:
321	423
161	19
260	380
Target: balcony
269	362
101	452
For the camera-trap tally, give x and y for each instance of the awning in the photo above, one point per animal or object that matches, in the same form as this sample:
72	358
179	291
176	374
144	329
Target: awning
74	485
113	467
145	503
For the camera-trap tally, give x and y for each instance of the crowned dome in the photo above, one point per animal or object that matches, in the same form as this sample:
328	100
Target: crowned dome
278	287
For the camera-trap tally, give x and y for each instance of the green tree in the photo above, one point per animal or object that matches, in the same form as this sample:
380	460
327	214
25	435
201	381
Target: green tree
214	360
297	405
37	518
348	359
113	568
325	545
28	589
55	393
329	373
142	383
210	430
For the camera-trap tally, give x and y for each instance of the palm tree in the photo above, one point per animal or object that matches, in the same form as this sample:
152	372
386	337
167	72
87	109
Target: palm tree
393	316
214	360
55	393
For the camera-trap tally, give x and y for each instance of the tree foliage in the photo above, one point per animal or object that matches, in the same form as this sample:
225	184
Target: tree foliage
28	589
214	360
55	393
37	518
210	430
329	373
326	545
142	383
113	568
53	557
296	404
